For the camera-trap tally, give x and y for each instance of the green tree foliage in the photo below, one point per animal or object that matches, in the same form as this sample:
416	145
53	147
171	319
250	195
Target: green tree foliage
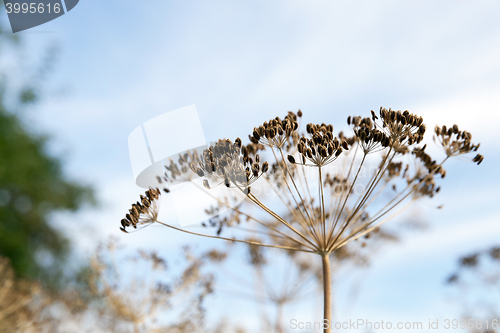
32	186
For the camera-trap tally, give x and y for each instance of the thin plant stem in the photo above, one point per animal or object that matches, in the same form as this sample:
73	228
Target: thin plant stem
255	200
323	218
292	211
339	213
235	240
357	234
279	317
253	218
288	186
296	189
365	197
327	292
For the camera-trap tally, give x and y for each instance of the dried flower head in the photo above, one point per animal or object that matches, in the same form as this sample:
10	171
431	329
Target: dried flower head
180	170
231	164
397	130
456	142
276	132
369	137
337	185
143	212
321	148
402	127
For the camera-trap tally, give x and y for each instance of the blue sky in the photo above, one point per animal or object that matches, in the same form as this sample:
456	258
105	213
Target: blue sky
124	62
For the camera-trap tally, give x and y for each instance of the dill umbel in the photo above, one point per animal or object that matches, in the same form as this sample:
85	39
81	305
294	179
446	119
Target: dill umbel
333	188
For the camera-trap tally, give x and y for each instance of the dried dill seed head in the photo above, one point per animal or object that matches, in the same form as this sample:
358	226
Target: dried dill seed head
478	159
495	253
144	211
431	165
370	138
180	170
350	140
426	187
256	254
452	279
427	170
216	256
402	127
231	164
394	169
456	142
469	261
321	148
337	185
221	221
397	130
276	132
254	148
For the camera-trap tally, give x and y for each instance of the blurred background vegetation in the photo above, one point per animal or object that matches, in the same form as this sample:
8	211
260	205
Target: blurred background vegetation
32	182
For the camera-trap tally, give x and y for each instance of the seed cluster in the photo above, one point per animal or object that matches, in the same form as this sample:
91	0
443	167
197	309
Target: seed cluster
276	132
369	137
321	148
398	130
426	187
431	165
456	142
180	169
231	163
402	126
144	211
350	140
394	169
221	221
337	185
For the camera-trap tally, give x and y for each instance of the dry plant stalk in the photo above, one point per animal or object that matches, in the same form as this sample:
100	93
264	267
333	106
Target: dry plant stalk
26	306
114	303
477	285
301	275
140	300
299	281
328	197
18	313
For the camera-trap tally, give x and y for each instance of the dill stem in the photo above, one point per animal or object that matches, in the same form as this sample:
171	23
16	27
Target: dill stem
280	219
322	207
279	317
327	292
